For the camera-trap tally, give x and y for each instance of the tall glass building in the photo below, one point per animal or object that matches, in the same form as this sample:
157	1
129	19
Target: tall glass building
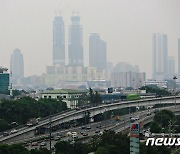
160	56
97	52
17	66
179	56
75	50
58	41
4	80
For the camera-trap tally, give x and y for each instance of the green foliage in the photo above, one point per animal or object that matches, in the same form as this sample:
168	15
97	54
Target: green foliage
63	147
155	128
154	89
162	119
21	110
83	100
102	150
110	142
154	149
13	149
40	151
94	98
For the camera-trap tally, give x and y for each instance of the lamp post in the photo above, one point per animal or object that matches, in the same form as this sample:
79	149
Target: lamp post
175	78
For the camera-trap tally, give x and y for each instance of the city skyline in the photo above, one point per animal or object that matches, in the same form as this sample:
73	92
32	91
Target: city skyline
127	29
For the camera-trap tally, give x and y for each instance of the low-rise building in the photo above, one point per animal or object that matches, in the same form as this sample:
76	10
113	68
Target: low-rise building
56	75
69	96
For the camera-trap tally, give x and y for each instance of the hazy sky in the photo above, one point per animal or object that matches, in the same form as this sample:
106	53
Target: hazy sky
126	26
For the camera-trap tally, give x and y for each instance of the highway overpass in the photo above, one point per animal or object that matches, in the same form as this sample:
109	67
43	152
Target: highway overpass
27	132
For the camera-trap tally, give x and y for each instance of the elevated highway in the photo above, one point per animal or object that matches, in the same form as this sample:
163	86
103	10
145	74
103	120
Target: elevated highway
27	132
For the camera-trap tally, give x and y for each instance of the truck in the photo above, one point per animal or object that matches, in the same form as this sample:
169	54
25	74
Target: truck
116	118
32	122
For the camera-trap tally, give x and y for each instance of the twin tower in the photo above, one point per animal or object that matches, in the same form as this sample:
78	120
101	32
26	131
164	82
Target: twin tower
75	42
97	47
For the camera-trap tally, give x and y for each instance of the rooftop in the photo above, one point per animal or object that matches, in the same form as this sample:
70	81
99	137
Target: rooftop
64	91
2	70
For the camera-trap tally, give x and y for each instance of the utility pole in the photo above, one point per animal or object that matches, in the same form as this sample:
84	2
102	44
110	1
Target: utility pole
175	78
50	132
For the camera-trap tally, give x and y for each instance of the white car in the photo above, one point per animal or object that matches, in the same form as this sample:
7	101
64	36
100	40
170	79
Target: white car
149	113
43	143
136	118
13	131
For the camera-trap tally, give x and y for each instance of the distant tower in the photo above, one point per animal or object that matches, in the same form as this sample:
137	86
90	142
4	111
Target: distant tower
58	41
97	52
17	66
171	67
75	50
179	57
160	56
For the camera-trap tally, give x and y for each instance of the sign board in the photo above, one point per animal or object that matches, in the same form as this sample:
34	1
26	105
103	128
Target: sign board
134	138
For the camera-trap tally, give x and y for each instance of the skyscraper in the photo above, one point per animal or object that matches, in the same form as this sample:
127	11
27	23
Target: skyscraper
58	41
97	52
75	50
160	56
171	67
17	66
179	57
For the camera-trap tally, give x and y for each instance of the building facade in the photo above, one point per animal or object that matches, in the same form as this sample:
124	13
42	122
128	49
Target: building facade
75	47
171	68
4	80
179	59
128	79
17	66
160	56
58	41
69	96
55	75
97	52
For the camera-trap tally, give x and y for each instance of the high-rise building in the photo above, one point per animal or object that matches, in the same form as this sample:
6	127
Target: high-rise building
75	50
4	80
58	41
97	52
109	70
17	66
160	56
171	68
179	57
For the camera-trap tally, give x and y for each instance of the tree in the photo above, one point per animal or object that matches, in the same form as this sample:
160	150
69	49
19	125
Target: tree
154	149
163	117
155	128
102	150
63	147
91	96
97	98
13	149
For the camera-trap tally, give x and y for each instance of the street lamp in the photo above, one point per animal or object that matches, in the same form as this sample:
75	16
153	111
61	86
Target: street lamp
175	78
